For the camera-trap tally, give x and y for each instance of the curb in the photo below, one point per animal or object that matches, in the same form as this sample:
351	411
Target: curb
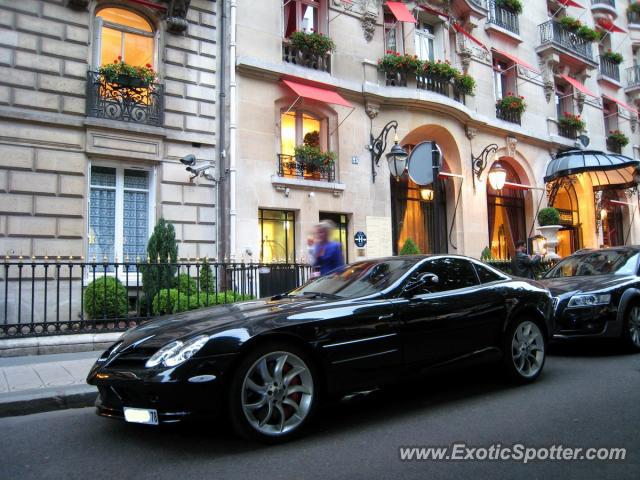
46	400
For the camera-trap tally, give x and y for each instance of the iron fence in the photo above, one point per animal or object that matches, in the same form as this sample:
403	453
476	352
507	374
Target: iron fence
129	100
304	58
508	115
46	297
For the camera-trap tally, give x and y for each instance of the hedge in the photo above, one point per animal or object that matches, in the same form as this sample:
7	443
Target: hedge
105	297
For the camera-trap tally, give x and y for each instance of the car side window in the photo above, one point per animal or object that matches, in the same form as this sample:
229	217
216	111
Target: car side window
486	275
453	273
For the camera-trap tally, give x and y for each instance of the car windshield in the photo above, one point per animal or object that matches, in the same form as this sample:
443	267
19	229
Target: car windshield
357	280
605	262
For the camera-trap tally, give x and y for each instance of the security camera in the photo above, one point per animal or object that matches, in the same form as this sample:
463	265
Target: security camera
189	160
199	169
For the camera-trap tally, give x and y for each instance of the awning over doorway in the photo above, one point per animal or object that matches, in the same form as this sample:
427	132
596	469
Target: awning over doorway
604	169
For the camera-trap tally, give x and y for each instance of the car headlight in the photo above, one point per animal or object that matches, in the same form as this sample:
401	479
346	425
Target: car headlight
589	300
177	352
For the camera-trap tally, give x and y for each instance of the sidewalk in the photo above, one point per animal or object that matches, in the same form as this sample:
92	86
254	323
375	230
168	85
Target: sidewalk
40	383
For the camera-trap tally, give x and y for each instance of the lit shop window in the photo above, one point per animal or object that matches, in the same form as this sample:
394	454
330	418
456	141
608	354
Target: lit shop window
277	236
295	127
126	35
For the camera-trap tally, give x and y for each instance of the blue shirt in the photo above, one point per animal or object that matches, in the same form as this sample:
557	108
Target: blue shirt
328	257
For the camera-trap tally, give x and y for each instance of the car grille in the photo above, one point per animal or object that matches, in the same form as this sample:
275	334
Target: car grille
133	359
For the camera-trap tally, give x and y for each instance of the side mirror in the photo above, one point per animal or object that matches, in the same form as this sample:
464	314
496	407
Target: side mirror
424	279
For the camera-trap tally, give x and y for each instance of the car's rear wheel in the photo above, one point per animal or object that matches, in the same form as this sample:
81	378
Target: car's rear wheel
524	350
631	329
273	393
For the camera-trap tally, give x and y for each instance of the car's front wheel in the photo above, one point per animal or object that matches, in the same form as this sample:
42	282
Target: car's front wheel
631	332
524	350
273	393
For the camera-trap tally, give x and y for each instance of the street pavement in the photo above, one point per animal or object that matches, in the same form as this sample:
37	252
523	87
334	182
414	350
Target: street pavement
588	396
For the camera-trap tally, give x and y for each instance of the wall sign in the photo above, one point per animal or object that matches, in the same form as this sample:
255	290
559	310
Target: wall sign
360	238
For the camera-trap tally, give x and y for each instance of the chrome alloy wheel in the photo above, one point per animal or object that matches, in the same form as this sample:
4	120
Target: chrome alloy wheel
634	325
527	349
277	392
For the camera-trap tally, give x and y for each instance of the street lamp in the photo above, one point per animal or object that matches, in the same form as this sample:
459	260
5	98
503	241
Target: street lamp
397	157
497	176
426	194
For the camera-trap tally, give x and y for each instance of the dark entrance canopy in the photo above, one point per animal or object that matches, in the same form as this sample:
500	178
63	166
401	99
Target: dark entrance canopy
605	169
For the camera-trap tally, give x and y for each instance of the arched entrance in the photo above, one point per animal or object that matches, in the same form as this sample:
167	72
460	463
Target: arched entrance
570	236
426	213
506	215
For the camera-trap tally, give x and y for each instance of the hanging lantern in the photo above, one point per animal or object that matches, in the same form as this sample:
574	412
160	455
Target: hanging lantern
497	176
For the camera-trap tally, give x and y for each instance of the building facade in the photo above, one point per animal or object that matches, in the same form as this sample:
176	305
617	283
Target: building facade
289	96
89	163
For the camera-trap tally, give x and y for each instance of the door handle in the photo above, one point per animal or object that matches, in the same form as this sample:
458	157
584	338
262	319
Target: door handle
386	316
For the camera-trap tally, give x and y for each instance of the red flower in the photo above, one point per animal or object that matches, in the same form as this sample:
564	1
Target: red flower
119	57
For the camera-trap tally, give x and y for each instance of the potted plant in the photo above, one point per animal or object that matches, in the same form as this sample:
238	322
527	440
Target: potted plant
613	57
397	66
570	121
313	160
588	34
312	42
549	221
122	74
617	139
512	103
464	83
441	70
514	6
571	24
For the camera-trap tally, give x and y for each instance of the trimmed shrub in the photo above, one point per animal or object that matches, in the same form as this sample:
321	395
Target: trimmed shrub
186	284
173	301
105	297
207	278
220	298
486	254
409	248
548	216
162	249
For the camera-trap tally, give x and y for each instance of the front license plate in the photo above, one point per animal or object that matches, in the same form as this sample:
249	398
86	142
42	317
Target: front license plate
141	415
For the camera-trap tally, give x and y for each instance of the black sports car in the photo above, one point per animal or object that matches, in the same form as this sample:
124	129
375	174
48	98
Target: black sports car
597	293
267	363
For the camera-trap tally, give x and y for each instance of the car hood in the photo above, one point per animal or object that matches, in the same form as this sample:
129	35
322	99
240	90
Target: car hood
560	287
244	318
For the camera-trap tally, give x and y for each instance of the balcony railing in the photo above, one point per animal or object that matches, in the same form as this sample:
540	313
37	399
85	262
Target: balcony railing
611	3
303	58
614	147
479	3
633	17
610	69
51	297
439	85
633	76
503	18
554	33
290	166
127	100
508	115
568	132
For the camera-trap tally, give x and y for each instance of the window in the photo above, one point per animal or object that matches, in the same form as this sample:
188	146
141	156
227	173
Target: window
564	100
425	42
610	113
453	273
392	33
340	233
119	212
505	79
303	15
298	127
123	33
486	275
277	236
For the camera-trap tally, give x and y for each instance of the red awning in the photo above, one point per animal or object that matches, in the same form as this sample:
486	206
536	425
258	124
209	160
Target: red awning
434	11
609	26
515	59
401	12
570	3
317	93
461	30
578	85
622	104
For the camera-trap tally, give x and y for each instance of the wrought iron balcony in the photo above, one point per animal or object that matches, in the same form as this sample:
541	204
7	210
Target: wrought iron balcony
555	33
568	132
508	115
440	85
128	100
611	3
610	69
614	147
290	166
503	18
290	54
633	76
633	17
479	3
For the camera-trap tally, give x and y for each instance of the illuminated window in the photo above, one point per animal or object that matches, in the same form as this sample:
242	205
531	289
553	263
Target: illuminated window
303	15
124	34
298	128
277	236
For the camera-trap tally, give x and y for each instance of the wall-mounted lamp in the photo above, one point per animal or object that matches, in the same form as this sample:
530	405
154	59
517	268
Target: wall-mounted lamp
426	194
497	176
480	163
397	157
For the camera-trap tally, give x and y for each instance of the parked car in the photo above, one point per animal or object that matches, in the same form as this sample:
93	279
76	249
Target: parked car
268	363
597	294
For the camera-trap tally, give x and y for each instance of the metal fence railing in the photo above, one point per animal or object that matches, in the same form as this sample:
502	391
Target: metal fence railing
555	33
503	17
45	297
609	69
